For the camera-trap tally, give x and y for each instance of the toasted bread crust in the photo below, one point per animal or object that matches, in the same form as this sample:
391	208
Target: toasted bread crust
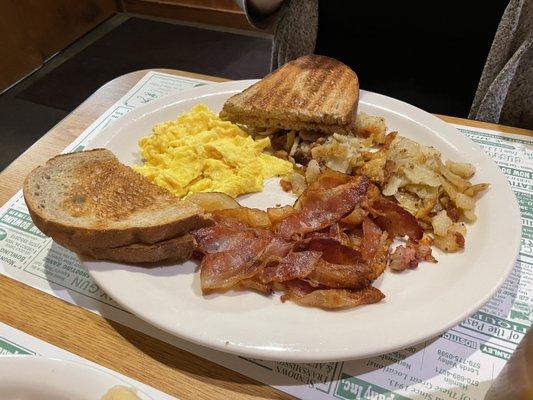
268	123
177	249
82	211
117	237
313	90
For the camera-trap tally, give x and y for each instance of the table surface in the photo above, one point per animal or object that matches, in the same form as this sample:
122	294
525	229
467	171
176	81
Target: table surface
105	342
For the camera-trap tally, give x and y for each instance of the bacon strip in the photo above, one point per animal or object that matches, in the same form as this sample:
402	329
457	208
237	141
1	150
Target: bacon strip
410	255
339	266
321	208
277	248
354	276
321	252
332	232
331	298
214	239
395	220
225	269
226	234
329	179
332	250
379	262
296	288
235	252
294	265
371	239
254	284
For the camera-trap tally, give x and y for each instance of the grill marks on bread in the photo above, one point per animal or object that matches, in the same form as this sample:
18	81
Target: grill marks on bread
311	91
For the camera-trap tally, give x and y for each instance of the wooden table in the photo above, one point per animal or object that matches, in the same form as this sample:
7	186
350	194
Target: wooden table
105	342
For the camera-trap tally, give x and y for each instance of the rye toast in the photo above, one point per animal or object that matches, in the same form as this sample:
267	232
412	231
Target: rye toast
92	199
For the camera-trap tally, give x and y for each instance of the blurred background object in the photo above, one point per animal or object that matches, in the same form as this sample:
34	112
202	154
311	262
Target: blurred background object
56	53
34	31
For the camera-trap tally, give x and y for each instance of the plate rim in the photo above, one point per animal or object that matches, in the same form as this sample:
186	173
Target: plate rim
320	356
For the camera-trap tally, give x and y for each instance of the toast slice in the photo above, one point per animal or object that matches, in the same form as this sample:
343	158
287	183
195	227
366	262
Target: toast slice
310	93
91	199
176	249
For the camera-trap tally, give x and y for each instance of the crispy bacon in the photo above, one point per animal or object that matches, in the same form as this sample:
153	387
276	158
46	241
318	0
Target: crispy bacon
395	220
249	216
226	234
296	288
355	218
335	231
276	214
325	251
224	269
214	239
321	261
331	298
331	187
329	179
339	266
423	251
410	255
379	262
321	208
403	257
353	276
294	265
332	250
254	284
235	252
277	248
371	239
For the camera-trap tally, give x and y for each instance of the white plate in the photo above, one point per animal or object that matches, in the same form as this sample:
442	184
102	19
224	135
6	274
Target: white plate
40	378
419	305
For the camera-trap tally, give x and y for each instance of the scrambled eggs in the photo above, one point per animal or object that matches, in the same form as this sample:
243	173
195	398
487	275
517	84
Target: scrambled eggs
198	152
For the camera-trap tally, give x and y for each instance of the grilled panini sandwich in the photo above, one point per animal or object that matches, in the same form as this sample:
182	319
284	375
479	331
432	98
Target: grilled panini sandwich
312	93
93	205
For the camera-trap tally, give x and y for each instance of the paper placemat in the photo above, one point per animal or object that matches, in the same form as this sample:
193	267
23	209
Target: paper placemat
17	343
459	364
